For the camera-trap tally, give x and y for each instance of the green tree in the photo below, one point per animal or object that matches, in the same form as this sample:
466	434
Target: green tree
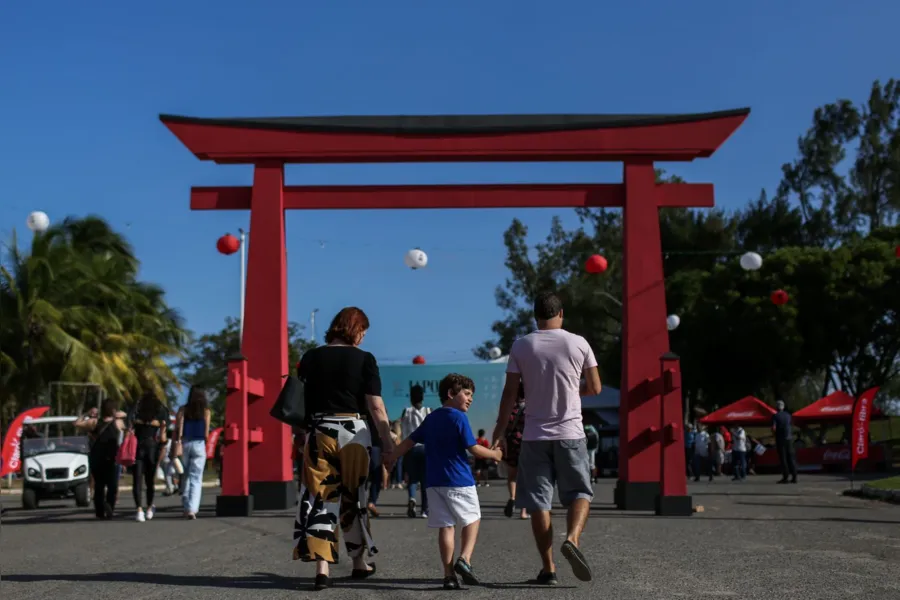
73	310
205	363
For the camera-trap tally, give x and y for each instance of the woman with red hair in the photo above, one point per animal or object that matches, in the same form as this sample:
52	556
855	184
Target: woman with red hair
342	388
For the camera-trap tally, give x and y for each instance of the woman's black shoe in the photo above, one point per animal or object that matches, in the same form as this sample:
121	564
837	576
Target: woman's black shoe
322	582
508	510
451	583
362	573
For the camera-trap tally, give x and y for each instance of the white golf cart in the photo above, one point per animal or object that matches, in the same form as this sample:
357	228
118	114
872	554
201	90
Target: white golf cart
55	462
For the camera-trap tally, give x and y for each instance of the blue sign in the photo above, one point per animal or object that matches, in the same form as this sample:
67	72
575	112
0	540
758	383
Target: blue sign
396	381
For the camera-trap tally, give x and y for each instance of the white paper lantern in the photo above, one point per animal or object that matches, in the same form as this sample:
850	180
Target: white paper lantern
38	221
416	259
672	322
495	353
751	261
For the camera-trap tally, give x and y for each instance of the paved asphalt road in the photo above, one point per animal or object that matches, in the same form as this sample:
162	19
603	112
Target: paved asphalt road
755	540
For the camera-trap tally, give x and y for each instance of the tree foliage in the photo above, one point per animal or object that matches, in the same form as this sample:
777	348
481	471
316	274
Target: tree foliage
205	363
72	309
828	237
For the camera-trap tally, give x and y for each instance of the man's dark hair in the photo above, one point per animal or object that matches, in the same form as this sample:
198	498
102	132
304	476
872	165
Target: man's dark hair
417	394
452	384
546	306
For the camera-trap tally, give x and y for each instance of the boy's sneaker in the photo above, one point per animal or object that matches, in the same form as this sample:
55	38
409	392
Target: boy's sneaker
424	514
150	512
451	583
139	517
411	508
464	570
546	578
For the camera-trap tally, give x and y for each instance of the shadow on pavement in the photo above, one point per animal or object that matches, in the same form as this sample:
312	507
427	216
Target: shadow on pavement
788	505
257	581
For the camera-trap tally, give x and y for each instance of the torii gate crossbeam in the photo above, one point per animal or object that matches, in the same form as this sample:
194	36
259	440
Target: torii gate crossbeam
635	140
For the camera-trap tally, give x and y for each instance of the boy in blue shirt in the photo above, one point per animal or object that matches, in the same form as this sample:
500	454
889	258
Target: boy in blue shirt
452	499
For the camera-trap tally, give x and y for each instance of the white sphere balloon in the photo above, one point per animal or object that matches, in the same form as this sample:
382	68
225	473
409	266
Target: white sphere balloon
416	259
672	322
38	221
751	261
495	353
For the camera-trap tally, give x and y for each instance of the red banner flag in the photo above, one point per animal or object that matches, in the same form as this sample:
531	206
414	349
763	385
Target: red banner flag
211	443
862	412
12	454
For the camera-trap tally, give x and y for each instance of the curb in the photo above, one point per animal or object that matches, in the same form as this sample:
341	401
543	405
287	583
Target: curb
122	488
892	496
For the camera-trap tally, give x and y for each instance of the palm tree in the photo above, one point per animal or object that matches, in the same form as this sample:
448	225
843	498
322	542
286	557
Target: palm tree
73	310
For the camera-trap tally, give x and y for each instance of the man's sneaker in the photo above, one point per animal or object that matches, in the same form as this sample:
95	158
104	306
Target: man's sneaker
150	512
139	517
546	579
424	514
411	508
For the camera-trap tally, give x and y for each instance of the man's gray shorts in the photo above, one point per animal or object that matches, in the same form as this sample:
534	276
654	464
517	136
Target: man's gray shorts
543	464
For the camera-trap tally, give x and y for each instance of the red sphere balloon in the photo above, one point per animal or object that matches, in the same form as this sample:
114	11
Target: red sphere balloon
419	360
595	264
228	244
780	297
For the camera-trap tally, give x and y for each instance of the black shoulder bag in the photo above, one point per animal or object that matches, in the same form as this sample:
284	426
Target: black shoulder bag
290	406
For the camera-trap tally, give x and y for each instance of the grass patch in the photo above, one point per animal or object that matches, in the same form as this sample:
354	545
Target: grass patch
891	483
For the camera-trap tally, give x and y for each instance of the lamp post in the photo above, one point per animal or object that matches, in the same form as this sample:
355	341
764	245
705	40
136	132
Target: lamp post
312	325
243	235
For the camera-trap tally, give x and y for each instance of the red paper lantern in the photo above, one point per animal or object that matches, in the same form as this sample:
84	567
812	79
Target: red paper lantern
419	360
228	244
595	264
780	297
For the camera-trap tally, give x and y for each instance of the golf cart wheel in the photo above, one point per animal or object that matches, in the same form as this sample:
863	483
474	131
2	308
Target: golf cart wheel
29	499
83	495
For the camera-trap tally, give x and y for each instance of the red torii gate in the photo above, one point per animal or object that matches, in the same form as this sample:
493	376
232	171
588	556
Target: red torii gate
635	140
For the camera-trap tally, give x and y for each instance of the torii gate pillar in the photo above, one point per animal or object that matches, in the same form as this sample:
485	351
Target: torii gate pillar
637	141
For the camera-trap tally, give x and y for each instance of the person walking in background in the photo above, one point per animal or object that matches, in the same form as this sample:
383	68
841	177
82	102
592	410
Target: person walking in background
148	421
593	445
739	453
482	465
689	436
702	461
412	417
717	451
551	363
397	471
378	477
104	446
192	425
781	425
511	455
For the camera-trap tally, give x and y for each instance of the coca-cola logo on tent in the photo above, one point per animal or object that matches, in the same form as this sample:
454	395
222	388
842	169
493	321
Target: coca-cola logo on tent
741	414
844	408
837	455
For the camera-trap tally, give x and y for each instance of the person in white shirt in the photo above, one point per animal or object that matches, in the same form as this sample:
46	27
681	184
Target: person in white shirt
414	461
739	453
702	463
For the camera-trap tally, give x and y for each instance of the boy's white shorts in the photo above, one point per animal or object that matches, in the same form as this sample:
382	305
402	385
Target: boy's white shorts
452	506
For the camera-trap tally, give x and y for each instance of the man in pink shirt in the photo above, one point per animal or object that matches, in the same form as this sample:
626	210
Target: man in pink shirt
551	362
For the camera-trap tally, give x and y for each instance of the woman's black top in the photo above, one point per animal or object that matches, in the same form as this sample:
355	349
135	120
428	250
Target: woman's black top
104	441
145	432
337	379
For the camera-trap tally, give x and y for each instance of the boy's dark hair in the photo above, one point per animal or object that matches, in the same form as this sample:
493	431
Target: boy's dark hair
417	394
546	306
481	433
452	384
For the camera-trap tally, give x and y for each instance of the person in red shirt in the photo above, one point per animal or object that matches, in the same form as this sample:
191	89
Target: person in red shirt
482	465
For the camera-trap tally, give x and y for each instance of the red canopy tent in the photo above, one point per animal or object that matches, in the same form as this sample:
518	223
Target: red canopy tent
836	406
746	412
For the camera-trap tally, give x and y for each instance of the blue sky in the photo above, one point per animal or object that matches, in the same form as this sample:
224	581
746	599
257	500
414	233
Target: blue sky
83	84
